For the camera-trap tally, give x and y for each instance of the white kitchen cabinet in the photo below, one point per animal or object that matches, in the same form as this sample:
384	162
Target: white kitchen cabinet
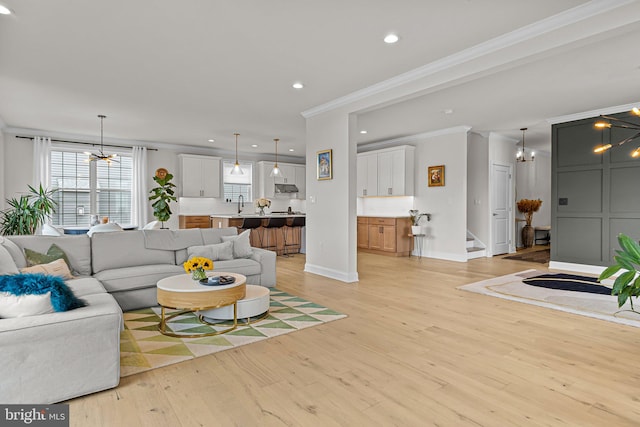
291	174
387	172
201	175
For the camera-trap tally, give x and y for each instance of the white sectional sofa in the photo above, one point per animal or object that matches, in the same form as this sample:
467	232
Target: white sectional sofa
54	357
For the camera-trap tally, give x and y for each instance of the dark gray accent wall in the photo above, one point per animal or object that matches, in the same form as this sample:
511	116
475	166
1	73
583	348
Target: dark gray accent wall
602	192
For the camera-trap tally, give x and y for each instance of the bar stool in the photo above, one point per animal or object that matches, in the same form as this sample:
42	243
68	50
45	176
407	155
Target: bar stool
252	224
296	224
275	223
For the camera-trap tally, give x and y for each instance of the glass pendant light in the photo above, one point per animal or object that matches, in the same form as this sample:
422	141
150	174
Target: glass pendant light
237	170
276	172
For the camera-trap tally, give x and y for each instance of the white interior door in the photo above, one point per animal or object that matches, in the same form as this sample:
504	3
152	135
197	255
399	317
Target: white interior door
501	208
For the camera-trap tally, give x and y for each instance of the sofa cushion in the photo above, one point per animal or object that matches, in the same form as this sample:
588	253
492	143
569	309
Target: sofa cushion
215	252
127	249
83	286
15	251
55	268
142	276
7	264
242	266
241	244
208	236
77	248
15	289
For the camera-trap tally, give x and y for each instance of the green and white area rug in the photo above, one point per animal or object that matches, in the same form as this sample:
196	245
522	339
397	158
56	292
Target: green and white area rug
511	287
143	347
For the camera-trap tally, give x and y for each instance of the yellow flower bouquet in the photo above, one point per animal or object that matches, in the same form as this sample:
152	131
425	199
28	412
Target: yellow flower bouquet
197	266
262	203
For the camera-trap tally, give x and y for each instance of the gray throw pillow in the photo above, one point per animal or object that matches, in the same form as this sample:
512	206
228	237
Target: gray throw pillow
7	265
215	252
241	244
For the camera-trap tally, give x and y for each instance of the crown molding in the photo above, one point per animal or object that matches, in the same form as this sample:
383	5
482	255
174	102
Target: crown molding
592	113
403	140
528	32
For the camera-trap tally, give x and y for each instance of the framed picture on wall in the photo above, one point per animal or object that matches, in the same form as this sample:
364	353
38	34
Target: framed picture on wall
436	176
324	164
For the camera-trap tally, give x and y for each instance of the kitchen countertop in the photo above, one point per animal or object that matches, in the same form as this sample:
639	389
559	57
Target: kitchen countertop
254	215
383	216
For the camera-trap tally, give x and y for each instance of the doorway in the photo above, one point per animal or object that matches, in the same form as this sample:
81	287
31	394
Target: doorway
501	183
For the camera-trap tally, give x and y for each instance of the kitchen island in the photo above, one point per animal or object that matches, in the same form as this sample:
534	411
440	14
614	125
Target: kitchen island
283	239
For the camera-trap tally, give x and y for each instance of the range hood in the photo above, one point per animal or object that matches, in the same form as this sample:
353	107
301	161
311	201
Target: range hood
286	188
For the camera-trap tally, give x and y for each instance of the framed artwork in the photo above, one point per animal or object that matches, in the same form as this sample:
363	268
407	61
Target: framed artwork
324	164
436	176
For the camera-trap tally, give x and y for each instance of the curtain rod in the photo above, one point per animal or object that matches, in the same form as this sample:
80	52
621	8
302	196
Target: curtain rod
93	144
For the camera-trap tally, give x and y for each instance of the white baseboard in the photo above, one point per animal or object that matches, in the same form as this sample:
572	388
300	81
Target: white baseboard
580	268
331	273
447	256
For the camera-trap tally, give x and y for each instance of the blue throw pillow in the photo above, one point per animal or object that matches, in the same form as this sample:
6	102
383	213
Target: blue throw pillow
62	298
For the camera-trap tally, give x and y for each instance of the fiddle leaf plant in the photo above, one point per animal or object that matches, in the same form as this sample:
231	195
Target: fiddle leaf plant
627	284
162	196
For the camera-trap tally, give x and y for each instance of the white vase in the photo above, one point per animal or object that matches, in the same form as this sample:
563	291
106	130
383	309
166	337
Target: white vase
416	229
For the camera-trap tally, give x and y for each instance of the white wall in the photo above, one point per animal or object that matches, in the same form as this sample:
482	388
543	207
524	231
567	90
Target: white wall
18	155
331	204
3	161
384	206
446	232
533	181
478	206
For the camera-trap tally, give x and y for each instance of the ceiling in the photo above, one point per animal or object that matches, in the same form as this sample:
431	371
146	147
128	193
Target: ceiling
186	72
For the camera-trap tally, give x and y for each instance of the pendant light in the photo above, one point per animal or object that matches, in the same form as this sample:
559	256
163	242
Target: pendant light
276	172
94	157
521	156
613	122
237	170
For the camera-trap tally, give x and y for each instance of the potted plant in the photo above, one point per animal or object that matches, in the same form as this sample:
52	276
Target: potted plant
528	207
626	285
163	195
28	212
415	216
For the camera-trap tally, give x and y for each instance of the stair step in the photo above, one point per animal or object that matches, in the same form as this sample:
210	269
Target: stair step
470	239
474	249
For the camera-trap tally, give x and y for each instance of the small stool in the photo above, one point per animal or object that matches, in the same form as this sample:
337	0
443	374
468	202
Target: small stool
253	307
276	223
296	224
252	224
546	229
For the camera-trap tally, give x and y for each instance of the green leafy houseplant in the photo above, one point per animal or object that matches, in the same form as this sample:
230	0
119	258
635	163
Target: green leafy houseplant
28	212
626	285
162	195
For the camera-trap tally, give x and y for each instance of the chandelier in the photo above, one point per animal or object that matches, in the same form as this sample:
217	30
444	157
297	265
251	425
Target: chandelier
521	156
94	157
608	122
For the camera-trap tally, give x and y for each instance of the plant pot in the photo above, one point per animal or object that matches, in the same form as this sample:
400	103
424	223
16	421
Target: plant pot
416	229
528	233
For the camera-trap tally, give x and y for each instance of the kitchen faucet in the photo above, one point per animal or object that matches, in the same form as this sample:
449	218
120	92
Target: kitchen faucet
239	207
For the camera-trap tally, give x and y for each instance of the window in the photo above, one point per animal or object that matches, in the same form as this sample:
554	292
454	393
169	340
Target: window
90	188
237	185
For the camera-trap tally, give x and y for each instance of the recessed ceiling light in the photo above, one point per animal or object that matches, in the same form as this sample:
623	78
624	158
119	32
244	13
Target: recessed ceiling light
254	145
291	149
363	131
212	140
298	85
391	38
4	10
448	111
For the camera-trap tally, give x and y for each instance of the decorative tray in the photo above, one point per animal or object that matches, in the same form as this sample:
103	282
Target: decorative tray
218	281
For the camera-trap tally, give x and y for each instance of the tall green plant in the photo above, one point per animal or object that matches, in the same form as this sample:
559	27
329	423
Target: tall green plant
626	285
163	195
28	212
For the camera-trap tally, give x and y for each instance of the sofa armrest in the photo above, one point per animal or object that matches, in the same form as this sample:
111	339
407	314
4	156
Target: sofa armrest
267	260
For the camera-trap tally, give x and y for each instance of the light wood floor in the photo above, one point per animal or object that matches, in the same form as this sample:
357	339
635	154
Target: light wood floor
414	351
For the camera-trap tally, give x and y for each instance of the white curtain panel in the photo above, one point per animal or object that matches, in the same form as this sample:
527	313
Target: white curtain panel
41	162
139	193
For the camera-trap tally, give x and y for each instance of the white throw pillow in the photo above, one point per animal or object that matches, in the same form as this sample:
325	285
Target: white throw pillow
153	225
215	252
49	230
7	264
24	305
104	228
241	244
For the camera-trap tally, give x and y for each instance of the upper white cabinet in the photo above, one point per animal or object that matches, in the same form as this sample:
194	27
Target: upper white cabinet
387	172
201	175
291	174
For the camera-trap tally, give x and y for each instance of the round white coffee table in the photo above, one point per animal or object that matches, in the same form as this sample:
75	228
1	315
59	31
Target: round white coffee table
187	295
252	308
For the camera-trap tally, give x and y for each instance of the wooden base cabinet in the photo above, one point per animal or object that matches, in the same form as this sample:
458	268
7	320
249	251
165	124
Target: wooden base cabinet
386	236
194	221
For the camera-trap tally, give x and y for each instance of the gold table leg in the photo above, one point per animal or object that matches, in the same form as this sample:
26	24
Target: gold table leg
162	325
